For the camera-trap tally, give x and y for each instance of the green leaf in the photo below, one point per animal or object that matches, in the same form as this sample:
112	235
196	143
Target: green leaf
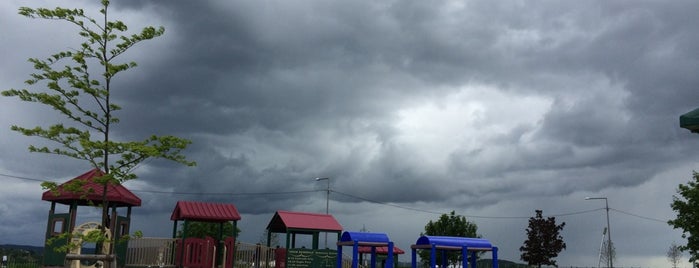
77	85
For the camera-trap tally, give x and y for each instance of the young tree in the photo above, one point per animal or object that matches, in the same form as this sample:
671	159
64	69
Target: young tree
77	83
686	205
269	239
674	254
203	229
544	241
449	225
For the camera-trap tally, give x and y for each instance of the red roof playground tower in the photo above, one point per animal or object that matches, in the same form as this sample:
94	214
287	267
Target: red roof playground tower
85	191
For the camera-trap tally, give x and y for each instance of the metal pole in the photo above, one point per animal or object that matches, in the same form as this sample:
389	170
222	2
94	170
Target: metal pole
327	204
610	262
609	236
327	199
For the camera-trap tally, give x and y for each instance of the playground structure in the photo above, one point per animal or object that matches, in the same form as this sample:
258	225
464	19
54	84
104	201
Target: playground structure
89	194
364	239
445	244
223	251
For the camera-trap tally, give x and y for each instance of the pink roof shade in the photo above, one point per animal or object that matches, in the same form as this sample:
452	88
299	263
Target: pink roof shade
284	220
91	191
380	250
202	211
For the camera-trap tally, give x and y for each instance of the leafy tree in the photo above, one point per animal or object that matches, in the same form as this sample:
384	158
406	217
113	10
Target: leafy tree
674	254
449	225
19	255
77	84
544	241
204	229
686	205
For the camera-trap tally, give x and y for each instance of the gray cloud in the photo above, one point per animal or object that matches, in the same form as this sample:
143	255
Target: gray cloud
486	108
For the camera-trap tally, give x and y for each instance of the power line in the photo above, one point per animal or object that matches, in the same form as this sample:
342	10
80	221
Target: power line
227	193
465	215
188	193
387	204
360	198
638	216
576	213
21	178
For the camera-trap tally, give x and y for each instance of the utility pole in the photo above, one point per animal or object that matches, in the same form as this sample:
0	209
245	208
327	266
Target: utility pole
327	204
610	262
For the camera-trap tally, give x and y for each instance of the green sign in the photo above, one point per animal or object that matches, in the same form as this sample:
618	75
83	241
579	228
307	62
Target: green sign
298	258
305	258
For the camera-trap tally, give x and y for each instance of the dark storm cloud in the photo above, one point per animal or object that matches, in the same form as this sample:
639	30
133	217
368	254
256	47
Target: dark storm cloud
555	101
236	68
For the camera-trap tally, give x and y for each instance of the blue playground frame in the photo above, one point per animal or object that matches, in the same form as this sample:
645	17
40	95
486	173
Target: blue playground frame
357	239
450	243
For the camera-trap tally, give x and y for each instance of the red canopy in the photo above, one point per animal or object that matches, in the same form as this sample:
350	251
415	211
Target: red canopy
90	192
380	250
284	220
201	211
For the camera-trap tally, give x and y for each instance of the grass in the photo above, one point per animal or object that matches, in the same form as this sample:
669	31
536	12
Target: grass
23	264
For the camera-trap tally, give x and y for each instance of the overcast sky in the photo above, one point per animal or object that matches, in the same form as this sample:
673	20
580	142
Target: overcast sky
492	109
